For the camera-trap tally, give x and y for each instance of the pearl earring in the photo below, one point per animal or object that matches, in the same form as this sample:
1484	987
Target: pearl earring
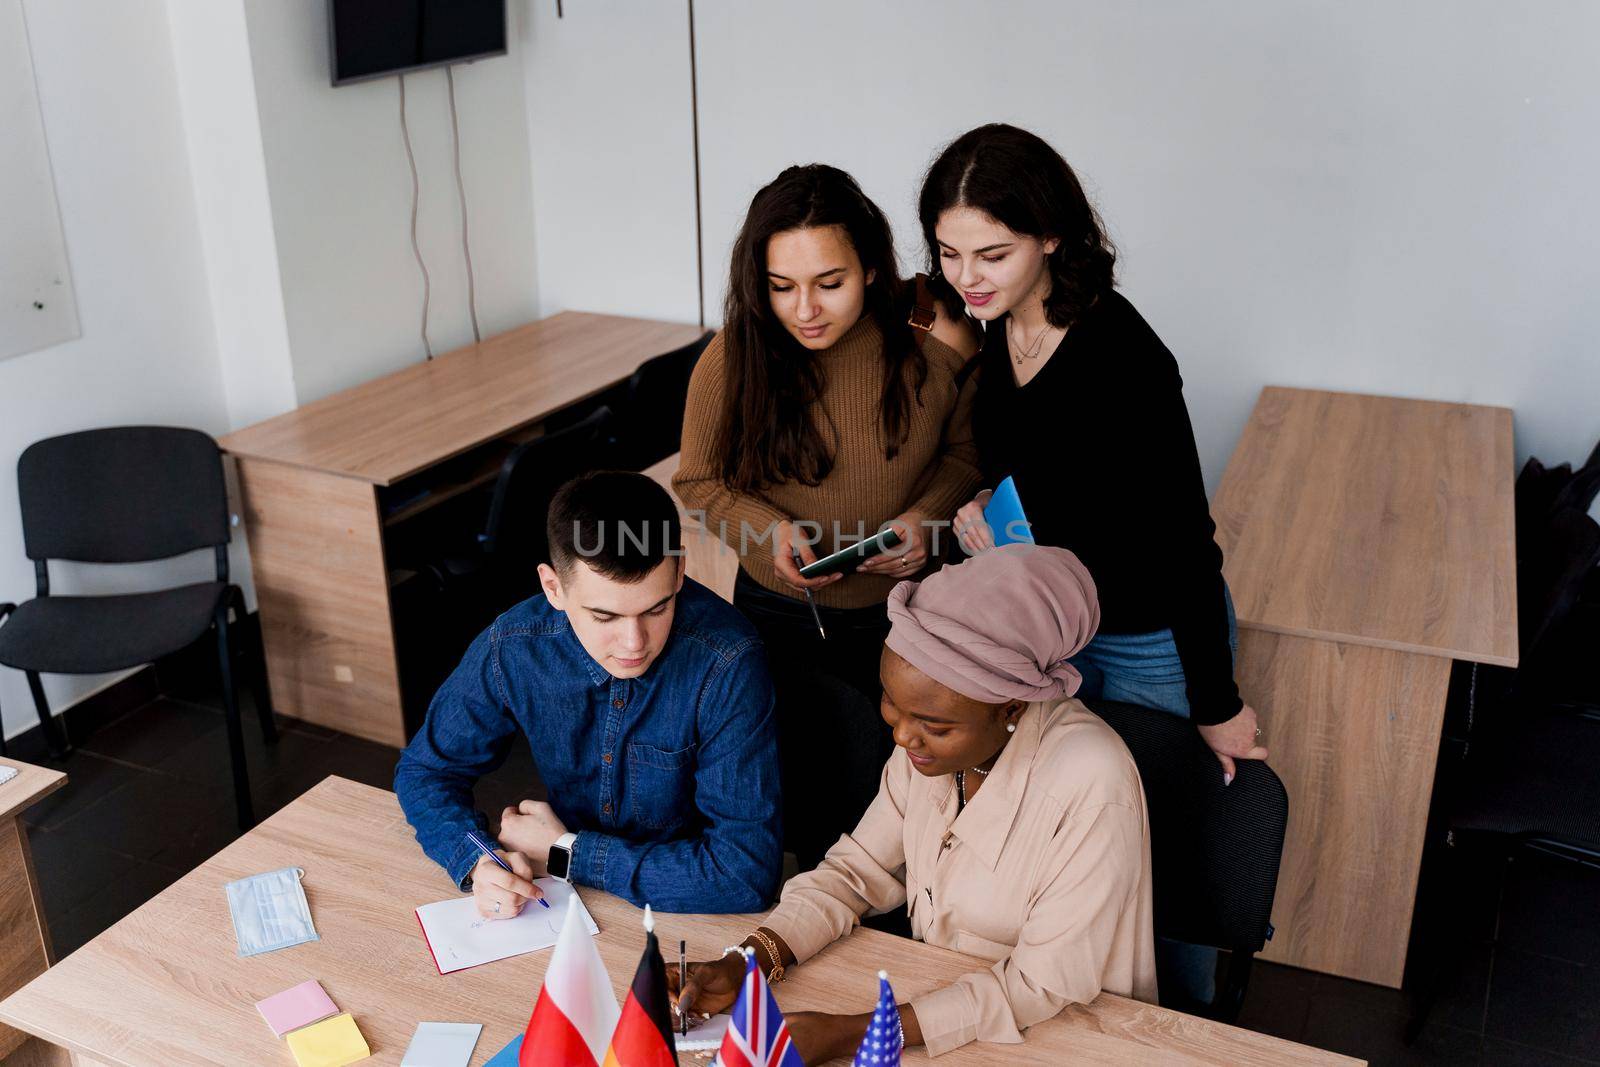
1011	727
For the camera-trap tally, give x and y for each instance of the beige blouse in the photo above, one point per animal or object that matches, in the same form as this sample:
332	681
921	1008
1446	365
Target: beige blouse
1046	872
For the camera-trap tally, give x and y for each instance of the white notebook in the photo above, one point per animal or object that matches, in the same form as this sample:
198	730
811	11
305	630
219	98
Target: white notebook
460	938
706	1037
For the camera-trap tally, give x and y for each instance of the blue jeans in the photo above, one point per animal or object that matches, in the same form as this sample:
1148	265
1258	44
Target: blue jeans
1144	669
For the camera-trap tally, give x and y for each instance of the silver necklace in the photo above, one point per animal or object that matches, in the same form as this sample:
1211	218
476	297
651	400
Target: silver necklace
1029	352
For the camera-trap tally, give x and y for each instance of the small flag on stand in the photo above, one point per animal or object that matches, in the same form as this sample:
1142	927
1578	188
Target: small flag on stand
576	1010
757	1034
885	1039
643	1037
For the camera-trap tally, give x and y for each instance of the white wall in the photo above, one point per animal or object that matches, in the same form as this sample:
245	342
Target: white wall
1364	196
37	308
148	349
340	193
613	164
216	86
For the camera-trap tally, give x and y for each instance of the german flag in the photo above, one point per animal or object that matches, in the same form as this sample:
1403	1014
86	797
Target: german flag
643	1037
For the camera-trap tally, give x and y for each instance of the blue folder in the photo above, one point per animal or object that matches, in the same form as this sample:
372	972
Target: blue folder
1005	516
508	1056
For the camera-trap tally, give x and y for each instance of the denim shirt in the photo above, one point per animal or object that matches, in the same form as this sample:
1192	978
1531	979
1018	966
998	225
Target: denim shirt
670	779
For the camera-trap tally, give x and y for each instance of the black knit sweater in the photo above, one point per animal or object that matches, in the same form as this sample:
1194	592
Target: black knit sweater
1103	453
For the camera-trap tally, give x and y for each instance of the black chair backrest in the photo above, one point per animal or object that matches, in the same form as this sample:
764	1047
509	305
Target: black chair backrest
650	416
514	535
1533	496
1580	491
121	495
1214	848
1563	552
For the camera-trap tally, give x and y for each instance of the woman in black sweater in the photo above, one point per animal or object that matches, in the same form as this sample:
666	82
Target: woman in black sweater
1082	405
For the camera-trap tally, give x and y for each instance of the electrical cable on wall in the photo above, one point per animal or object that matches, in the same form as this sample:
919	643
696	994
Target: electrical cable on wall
461	194
416	189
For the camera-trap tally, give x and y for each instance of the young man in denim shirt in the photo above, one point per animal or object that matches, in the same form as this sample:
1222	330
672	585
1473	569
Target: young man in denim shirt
646	700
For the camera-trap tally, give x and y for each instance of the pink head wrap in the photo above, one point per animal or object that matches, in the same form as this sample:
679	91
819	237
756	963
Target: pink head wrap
999	626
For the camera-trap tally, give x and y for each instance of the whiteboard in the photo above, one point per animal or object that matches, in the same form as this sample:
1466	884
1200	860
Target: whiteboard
37	305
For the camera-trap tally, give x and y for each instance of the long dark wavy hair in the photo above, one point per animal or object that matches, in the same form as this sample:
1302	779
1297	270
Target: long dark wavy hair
1017	179
768	434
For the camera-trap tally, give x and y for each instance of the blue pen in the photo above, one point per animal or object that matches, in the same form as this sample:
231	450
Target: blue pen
488	850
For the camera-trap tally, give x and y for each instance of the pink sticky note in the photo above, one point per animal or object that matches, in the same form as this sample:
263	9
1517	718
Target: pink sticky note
306	1003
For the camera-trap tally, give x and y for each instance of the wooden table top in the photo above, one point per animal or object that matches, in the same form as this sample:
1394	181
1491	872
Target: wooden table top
706	559
383	430
32	784
165	986
1374	520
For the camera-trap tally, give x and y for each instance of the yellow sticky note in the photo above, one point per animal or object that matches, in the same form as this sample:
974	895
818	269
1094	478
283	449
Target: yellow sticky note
331	1043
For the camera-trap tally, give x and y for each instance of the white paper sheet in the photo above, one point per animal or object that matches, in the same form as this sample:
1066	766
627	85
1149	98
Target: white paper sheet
460	938
706	1037
442	1045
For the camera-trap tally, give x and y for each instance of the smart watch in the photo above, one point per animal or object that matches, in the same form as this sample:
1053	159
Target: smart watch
559	865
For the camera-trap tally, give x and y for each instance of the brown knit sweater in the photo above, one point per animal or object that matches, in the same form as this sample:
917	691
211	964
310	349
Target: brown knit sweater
934	472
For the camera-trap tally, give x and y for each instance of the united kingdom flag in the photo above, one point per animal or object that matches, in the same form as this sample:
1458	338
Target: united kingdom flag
881	1047
757	1034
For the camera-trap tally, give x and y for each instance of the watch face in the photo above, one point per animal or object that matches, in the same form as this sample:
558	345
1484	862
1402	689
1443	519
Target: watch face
560	860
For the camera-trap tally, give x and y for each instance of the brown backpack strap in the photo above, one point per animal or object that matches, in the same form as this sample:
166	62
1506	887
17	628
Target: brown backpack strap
922	308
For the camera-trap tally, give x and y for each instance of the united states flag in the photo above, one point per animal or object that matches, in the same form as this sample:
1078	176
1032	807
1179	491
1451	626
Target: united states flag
757	1035
881	1046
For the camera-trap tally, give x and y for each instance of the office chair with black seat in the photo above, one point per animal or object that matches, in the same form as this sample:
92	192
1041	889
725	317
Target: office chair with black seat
502	563
649	407
1567	670
127	494
1529	774
1214	848
454	596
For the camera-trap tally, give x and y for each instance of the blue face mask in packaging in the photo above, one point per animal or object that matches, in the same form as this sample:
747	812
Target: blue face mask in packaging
270	911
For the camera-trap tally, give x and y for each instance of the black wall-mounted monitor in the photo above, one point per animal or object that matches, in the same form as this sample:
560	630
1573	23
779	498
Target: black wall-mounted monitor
376	38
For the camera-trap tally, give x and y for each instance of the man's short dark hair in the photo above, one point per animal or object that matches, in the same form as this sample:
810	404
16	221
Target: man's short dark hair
620	523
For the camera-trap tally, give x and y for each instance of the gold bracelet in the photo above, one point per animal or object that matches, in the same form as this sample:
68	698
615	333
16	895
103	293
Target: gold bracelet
776	974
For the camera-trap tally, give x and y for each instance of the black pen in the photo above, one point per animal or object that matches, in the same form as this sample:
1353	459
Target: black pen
815	614
683	980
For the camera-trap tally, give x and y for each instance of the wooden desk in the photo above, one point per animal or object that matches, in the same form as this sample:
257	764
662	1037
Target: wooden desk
1369	542
706	558
25	950
315	481
165	987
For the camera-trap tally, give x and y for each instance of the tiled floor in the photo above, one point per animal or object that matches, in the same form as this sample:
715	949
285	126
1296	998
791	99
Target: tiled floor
1525	990
149	799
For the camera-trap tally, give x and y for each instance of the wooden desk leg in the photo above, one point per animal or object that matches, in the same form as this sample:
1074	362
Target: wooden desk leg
25	949
1354	734
316	548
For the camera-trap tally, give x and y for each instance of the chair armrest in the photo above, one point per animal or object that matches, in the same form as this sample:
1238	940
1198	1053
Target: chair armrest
6	608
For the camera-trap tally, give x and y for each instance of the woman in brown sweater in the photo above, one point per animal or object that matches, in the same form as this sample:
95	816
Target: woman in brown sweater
819	415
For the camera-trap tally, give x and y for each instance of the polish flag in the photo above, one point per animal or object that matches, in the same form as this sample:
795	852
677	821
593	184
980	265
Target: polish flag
576	1011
